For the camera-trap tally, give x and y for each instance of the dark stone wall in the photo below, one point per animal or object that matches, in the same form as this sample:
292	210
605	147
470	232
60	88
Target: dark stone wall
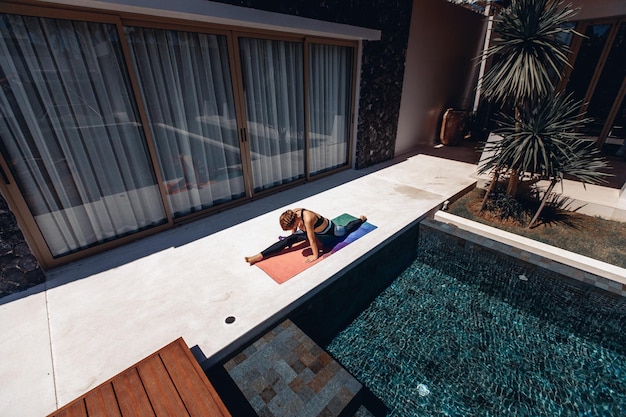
19	269
382	69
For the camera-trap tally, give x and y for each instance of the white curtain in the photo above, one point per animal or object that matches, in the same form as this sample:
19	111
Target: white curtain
330	99
274	97
186	85
70	134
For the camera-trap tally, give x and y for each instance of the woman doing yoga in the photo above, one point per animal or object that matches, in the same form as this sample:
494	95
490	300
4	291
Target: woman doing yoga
305	225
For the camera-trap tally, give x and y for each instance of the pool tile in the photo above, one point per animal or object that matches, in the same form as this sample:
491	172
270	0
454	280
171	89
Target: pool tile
544	299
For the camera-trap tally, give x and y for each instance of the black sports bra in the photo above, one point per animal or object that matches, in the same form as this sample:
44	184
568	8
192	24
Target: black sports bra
318	222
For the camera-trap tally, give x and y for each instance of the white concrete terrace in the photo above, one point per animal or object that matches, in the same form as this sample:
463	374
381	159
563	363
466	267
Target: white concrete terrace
94	318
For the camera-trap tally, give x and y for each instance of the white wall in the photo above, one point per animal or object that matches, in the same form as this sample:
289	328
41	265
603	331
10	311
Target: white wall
440	71
594	9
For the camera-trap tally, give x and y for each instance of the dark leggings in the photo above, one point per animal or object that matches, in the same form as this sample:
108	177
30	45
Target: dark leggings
284	243
335	231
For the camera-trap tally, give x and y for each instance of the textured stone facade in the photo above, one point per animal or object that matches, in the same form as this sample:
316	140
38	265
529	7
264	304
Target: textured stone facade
19	269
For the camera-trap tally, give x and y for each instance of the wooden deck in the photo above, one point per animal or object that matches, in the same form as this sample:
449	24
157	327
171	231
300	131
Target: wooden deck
170	382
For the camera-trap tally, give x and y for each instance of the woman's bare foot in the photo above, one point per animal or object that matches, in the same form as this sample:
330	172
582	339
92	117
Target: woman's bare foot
363	218
254	259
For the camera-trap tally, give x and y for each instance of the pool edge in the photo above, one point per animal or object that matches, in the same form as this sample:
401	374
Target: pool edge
402	244
582	268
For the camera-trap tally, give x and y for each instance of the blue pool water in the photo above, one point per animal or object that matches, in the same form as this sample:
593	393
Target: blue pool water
481	335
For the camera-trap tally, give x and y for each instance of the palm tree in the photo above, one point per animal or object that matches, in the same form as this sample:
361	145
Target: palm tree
530	54
543	143
528	58
539	137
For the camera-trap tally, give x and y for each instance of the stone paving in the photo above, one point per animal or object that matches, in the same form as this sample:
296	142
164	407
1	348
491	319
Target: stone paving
284	374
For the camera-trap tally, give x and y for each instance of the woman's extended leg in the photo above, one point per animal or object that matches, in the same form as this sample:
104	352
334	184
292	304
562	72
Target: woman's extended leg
355	224
341	231
276	247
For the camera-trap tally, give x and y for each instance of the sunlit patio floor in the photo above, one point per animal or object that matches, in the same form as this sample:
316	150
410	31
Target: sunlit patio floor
93	319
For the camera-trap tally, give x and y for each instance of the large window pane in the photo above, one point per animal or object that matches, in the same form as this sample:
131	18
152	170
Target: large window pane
186	85
70	132
617	133
274	98
588	57
330	101
609	84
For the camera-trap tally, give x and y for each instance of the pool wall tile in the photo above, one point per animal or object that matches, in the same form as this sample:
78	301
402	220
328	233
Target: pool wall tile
485	340
447	251
565	263
332	307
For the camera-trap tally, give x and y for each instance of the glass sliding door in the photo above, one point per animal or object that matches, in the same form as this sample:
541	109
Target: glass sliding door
111	127
599	78
593	44
71	134
617	129
273	89
185	82
612	77
330	106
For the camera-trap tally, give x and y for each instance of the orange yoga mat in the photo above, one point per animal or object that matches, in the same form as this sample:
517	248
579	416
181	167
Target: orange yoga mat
290	262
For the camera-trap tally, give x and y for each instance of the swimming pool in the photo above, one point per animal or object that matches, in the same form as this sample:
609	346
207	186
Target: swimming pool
467	332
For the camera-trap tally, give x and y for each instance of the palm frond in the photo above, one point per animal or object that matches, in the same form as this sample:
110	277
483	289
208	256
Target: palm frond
545	142
528	51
